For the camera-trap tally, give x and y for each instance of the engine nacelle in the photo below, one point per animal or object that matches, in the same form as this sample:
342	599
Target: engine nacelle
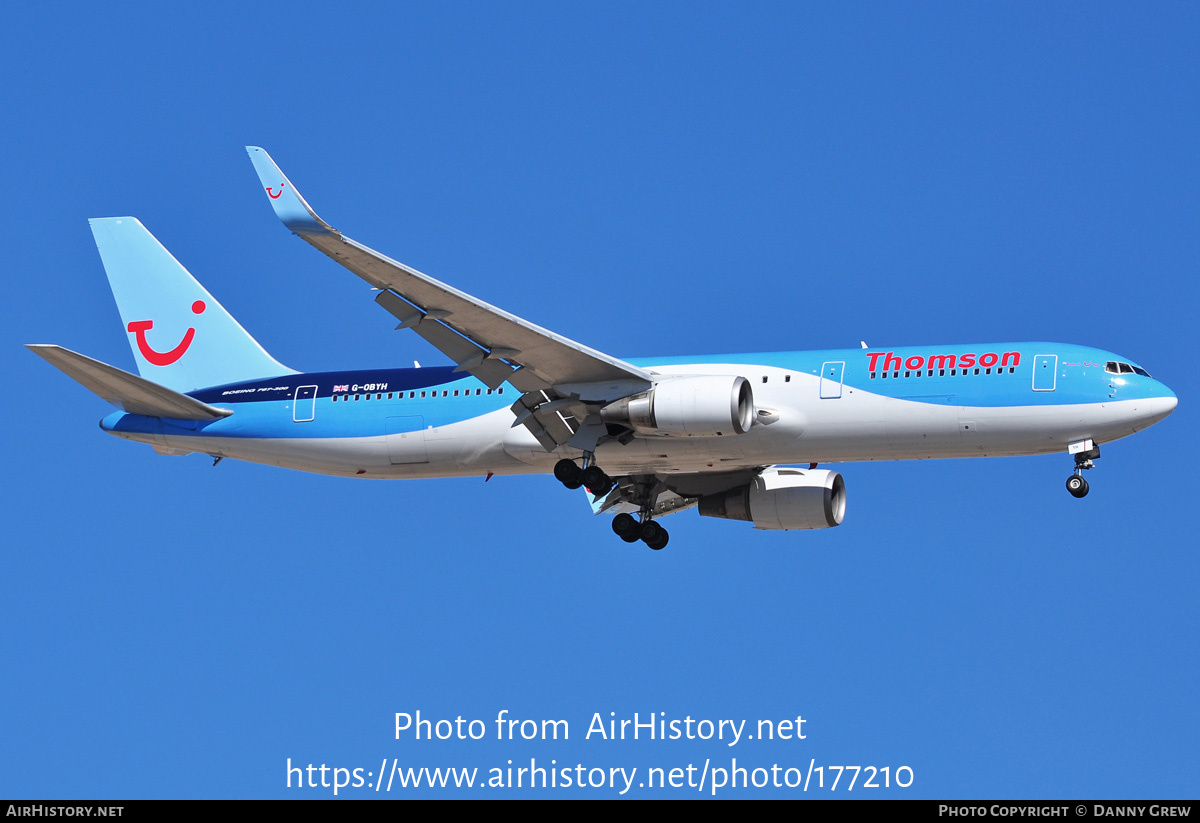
783	499
701	406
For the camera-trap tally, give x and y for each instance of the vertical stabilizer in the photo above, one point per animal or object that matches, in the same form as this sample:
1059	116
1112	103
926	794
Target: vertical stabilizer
181	337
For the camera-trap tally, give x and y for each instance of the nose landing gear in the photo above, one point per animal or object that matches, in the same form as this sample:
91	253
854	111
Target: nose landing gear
1085	452
1076	485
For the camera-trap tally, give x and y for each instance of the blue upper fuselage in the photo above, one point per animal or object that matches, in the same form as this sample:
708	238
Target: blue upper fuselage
358	403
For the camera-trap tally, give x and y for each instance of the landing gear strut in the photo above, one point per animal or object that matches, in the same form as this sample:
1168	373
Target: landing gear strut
1084	452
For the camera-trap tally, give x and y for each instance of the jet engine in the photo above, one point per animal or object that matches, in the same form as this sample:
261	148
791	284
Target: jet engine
702	406
783	499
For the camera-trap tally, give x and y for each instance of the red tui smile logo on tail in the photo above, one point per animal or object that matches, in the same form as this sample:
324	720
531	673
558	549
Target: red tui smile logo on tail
163	358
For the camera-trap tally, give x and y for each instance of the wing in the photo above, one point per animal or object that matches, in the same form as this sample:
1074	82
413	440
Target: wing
564	383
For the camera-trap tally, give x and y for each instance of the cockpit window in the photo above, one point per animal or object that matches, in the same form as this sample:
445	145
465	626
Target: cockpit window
1113	367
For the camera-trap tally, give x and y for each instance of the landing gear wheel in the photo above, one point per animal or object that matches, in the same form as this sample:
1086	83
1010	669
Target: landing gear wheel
1077	486
627	528
596	481
654	535
569	474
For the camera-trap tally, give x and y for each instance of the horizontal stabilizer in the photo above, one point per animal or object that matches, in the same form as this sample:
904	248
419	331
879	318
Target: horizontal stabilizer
134	394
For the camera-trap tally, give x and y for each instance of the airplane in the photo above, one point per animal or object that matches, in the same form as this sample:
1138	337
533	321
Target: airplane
735	436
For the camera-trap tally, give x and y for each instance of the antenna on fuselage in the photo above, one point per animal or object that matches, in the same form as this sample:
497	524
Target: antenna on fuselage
862	343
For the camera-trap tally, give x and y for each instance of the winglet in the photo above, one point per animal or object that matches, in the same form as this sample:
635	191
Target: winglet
289	206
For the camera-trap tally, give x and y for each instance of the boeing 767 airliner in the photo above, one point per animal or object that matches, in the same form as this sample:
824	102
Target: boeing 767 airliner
646	437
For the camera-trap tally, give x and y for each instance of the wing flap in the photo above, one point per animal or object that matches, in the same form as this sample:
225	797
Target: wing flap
478	362
134	394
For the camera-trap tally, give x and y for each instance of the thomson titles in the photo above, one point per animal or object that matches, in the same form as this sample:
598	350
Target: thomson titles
894	362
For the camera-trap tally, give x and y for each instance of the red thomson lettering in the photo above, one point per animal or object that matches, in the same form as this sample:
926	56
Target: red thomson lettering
893	362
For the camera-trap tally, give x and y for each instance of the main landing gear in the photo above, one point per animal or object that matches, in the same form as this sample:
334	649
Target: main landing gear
1085	452
626	526
630	530
591	476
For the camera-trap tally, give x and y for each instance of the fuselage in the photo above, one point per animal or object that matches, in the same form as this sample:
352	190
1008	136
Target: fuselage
812	407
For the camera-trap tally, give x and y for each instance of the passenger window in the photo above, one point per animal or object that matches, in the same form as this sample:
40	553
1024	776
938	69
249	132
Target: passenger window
787	378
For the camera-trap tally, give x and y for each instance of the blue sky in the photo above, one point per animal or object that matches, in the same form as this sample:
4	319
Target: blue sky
648	179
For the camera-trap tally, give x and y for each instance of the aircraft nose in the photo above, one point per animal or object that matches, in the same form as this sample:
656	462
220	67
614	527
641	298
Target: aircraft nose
1157	408
1170	401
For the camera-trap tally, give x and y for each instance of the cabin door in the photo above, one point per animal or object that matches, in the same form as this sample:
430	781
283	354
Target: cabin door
304	404
831	379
